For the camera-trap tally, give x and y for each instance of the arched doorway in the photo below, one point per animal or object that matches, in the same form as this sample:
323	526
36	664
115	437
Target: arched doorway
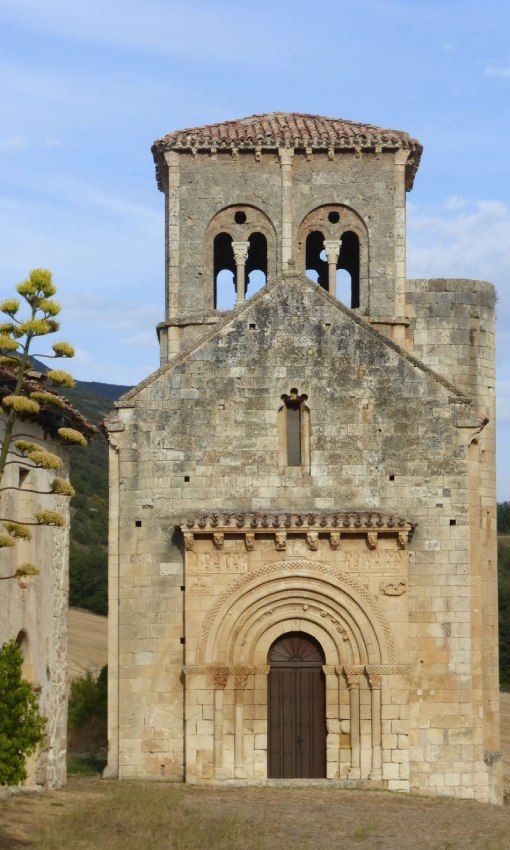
296	708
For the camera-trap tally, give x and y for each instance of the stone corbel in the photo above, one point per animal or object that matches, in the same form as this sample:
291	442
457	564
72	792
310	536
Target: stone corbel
281	541
249	541
218	539
334	539
189	541
312	540
372	539
402	539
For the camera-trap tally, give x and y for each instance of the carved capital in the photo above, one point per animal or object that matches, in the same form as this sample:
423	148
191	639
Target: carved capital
189	541
240	250
374	681
218	539
220	675
286	155
332	249
312	540
281	541
372	539
352	674
241	677
335	539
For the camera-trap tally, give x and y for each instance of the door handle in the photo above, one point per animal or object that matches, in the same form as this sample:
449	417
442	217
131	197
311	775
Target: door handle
300	741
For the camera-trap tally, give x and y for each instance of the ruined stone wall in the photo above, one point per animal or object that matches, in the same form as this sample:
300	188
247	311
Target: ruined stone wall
37	605
385	435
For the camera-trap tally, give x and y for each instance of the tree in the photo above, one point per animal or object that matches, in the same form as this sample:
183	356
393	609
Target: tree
21	726
17	335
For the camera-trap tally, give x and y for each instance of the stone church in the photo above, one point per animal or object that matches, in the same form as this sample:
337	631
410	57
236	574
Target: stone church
302	566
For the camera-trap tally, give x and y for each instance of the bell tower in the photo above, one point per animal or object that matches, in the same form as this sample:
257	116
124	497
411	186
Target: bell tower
252	199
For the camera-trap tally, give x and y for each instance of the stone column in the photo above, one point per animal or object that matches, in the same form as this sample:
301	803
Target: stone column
111	770
352	675
240	250
286	155
172	210
401	158
240	680
332	249
220	682
374	681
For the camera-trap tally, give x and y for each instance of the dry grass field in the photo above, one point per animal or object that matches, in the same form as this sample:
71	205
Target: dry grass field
91	813
88	641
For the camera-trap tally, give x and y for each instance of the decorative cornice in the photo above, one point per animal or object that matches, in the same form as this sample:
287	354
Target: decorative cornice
277	131
344	522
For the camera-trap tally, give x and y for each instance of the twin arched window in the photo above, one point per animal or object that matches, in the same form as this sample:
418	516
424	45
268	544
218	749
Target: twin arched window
347	266
332	249
228	259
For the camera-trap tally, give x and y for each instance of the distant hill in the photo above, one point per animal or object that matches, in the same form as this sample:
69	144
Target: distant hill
89	508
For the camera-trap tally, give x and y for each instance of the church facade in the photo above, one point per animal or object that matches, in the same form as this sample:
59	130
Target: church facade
302	564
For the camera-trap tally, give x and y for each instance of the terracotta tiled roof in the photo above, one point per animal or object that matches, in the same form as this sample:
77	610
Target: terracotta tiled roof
293	130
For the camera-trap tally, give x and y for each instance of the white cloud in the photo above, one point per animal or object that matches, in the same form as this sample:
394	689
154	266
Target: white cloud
497	71
14	143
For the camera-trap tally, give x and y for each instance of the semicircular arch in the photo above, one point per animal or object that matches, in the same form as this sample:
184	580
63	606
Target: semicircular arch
341	596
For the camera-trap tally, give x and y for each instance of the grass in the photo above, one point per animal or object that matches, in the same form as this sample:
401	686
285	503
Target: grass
91	813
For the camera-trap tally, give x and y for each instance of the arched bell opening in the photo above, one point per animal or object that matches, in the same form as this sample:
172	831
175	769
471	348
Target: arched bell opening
316	261
296	708
224	273
348	270
256	264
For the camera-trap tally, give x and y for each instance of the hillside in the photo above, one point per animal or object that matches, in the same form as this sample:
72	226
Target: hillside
89	508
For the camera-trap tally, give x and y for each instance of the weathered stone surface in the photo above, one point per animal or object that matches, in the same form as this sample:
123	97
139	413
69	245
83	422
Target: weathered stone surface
396	417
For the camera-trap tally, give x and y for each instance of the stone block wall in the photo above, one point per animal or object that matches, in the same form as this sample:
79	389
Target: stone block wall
35	608
385	434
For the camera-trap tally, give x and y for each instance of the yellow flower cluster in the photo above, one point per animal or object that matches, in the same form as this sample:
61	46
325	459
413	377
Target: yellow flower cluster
48	398
25	446
50	518
21	532
9	306
63	349
26	570
62	487
21	404
7	343
60	378
6	540
70	435
44	459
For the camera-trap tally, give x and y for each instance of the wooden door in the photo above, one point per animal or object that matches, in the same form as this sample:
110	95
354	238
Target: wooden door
296	708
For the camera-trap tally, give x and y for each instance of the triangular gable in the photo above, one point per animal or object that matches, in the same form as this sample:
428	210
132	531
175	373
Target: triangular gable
269	292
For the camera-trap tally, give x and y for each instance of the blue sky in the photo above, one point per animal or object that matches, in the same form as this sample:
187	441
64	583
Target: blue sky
87	85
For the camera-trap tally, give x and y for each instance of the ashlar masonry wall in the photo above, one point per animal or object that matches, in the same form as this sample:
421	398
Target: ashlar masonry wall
386	435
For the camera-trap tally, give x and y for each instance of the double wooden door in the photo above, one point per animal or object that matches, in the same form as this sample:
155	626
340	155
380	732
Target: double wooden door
296	708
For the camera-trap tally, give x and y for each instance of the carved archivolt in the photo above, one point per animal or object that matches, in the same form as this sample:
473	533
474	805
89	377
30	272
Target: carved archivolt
306	575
